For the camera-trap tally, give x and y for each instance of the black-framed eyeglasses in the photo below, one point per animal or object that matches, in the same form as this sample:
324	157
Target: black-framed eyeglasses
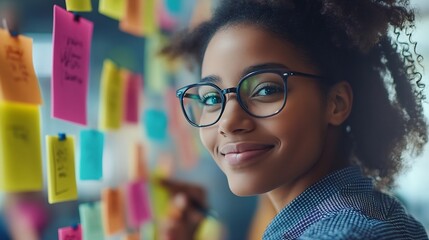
261	94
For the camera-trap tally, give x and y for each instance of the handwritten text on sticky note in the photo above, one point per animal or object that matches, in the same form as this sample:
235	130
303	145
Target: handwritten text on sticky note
61	169
72	44
20	147
18	81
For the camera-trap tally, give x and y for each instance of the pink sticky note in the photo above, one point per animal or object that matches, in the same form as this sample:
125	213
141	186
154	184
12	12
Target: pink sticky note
138	205
72	43
70	233
132	97
165	20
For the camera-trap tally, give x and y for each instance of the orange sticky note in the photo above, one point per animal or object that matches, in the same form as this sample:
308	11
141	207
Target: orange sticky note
138	168
132	20
112	211
131	236
61	169
20	147
18	81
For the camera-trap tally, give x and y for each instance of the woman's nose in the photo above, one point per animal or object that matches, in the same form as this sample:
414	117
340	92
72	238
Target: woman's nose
234	119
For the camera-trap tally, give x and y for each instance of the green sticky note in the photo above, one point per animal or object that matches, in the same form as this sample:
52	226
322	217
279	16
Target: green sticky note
155	66
79	5
61	169
91	221
112	8
20	148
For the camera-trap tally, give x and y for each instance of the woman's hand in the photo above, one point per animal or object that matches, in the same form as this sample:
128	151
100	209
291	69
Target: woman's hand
187	211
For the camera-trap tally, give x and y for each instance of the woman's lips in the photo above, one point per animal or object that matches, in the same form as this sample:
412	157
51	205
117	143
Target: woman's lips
240	154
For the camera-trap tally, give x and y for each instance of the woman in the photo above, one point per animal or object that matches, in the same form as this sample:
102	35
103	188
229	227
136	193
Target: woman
314	104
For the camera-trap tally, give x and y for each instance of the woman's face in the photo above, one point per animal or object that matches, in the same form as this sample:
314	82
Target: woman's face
261	154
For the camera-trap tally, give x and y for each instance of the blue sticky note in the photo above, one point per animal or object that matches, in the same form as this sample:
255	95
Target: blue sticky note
173	6
91	222
155	123
91	155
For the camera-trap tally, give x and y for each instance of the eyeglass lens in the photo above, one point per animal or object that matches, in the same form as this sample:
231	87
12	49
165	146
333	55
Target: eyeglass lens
260	95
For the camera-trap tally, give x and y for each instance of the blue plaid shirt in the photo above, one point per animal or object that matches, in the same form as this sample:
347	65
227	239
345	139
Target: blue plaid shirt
344	205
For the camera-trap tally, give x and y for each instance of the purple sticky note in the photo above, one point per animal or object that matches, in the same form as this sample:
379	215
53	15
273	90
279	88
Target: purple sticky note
132	97
70	233
71	39
138	205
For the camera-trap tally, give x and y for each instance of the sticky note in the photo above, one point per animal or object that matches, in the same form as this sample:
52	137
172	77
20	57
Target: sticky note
61	169
173	6
111	97
160	196
18	81
112	8
165	18
155	66
132	21
150	24
20	148
71	57
113	213
210	228
138	166
90	219
133	83
79	5
91	154
138	203
148	230
133	236
155	123
70	233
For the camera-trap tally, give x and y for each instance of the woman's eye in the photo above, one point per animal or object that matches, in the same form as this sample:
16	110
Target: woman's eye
211	99
267	90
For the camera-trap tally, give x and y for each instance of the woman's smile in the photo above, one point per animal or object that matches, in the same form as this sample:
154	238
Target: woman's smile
239	155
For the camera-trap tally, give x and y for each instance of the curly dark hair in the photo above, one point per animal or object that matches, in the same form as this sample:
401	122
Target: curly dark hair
348	40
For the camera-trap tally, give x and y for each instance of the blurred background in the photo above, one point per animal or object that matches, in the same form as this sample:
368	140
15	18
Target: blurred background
176	148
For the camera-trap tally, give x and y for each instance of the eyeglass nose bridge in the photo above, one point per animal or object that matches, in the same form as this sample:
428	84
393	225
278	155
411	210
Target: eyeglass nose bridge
229	90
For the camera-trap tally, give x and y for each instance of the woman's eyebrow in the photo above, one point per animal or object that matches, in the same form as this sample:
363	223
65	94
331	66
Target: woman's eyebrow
262	66
211	79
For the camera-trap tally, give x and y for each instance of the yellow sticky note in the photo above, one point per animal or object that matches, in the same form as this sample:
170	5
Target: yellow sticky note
210	229
150	25
111	97
20	148
160	197
18	81
61	169
79	5
112	8
155	66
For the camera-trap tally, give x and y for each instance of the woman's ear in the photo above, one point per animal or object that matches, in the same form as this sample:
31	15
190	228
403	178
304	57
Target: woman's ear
340	101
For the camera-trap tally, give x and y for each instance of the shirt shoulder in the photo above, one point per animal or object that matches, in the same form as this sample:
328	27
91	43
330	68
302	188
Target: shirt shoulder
353	224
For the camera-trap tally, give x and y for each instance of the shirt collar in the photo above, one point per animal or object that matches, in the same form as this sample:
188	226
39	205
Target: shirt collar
301	206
